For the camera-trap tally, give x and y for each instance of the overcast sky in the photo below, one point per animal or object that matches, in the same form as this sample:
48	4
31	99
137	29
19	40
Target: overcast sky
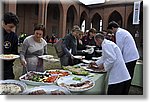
87	2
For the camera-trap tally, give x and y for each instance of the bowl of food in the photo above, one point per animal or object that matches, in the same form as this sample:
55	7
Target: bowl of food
12	87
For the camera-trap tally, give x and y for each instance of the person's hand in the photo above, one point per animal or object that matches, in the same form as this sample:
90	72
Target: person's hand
101	67
83	51
71	56
92	65
24	63
91	50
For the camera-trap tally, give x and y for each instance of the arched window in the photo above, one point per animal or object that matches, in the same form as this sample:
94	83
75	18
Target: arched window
115	16
97	22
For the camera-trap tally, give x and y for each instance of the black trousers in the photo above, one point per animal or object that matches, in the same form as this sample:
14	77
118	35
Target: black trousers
123	87
8	70
116	89
130	66
8	74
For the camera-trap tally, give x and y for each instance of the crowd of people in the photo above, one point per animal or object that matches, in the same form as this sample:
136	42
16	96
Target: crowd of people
118	57
53	39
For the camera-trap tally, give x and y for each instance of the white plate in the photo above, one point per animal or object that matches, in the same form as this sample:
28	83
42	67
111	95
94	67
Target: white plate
9	56
86	51
96	58
22	86
67	80
98	51
89	51
49	89
49	58
87	61
53	60
82	64
30	82
79	57
46	56
90	46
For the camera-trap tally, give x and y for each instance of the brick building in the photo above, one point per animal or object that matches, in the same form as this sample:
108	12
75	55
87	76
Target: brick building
59	17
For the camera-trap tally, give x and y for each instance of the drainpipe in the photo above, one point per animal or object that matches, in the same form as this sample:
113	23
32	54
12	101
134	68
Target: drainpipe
125	17
45	13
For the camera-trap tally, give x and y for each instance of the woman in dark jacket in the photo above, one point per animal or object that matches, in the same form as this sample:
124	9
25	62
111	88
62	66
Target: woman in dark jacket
70	47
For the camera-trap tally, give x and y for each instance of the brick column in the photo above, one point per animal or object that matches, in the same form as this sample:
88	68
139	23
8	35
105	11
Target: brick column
41	16
88	24
11	6
45	17
64	24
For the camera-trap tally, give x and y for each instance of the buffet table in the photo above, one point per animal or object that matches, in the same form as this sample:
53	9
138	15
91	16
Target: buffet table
100	87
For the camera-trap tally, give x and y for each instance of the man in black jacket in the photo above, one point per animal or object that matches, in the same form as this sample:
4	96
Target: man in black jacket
10	43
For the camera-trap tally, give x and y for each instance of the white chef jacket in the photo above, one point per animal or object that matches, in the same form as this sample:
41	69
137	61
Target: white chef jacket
127	45
113	63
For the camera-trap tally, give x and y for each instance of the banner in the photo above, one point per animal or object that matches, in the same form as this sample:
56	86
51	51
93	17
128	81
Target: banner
136	12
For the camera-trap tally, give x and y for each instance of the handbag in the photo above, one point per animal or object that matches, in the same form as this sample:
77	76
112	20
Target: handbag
59	48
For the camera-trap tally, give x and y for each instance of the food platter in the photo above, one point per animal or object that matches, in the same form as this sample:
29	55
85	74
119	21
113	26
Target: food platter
94	70
48	90
77	70
76	83
46	78
38	78
9	56
12	87
59	73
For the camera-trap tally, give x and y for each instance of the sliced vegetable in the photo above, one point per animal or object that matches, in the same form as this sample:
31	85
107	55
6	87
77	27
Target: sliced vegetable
77	78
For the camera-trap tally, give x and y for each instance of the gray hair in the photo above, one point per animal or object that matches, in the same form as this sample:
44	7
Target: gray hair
99	36
76	28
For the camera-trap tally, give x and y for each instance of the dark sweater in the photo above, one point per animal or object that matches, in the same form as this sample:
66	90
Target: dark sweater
10	43
10	46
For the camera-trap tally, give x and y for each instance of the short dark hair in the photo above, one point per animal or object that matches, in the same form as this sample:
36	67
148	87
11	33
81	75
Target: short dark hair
10	17
113	24
99	36
40	27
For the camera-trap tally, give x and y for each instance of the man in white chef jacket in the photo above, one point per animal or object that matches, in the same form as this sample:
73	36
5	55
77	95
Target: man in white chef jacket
112	62
127	45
